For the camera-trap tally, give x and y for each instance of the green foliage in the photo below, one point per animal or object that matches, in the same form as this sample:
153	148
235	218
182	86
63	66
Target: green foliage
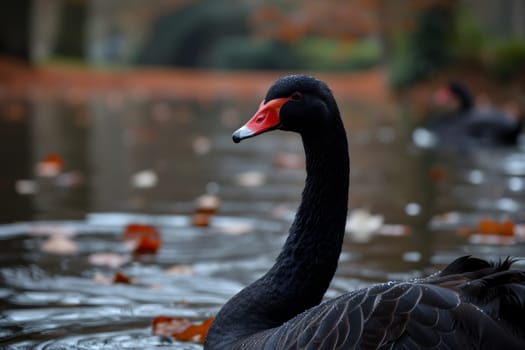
211	34
188	37
459	38
244	52
468	36
501	55
423	51
330	54
504	57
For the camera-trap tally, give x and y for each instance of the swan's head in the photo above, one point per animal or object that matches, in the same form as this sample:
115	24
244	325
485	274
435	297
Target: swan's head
297	103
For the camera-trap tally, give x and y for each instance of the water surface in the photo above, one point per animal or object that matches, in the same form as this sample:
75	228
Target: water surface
133	158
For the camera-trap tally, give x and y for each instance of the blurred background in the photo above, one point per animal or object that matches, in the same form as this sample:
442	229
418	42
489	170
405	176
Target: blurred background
119	112
66	64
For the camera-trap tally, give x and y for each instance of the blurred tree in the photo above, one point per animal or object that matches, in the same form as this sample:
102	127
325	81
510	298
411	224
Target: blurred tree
14	28
422	47
188	36
71	40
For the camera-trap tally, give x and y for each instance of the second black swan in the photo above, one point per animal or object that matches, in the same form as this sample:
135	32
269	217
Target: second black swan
468	125
471	304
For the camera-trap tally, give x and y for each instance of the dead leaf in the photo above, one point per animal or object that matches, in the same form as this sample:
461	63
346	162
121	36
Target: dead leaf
146	238
180	270
489	226
50	165
59	245
119	277
108	259
181	329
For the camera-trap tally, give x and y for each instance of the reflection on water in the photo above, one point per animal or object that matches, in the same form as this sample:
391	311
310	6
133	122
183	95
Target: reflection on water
138	159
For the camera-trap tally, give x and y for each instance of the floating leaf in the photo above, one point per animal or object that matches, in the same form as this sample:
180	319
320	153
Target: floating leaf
108	259
207	204
180	270
50	165
489	226
147	245
59	245
181	329
119	277
200	219
146	238
205	207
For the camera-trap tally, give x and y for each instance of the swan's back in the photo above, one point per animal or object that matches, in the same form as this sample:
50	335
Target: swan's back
472	304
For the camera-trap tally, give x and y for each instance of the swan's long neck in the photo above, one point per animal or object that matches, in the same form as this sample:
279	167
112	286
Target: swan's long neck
308	260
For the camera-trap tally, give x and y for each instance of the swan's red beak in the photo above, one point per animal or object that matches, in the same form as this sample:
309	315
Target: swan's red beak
265	119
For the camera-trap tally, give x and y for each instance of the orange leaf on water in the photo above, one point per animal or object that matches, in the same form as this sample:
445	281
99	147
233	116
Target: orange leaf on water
50	165
119	277
490	226
146	238
200	219
147	245
181	328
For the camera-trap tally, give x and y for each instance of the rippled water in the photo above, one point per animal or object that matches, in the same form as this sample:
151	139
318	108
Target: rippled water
133	159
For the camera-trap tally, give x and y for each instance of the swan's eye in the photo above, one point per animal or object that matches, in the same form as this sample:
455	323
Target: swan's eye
296	96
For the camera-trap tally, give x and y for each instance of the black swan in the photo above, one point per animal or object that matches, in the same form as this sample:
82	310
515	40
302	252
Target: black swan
468	125
471	304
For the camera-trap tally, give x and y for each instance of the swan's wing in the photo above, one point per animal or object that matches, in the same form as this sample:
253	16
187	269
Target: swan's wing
381	315
400	316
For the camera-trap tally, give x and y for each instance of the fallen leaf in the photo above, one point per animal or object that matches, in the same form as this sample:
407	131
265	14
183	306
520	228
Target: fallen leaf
108	259
146	238
208	204
59	245
147	245
181	328
119	277
180	270
489	226
50	165
200	219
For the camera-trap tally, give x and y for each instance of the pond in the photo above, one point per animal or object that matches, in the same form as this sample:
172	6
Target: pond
77	172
